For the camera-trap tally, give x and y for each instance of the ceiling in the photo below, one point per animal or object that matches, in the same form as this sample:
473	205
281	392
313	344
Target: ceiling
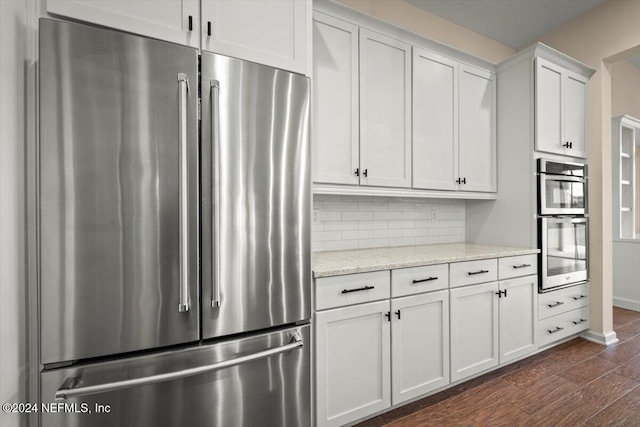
514	23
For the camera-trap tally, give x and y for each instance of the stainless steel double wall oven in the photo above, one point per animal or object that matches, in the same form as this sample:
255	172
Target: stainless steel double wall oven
563	223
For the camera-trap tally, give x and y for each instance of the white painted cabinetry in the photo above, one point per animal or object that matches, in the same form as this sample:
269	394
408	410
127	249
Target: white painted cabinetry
435	121
477	152
176	21
518	317
336	125
561	99
419	344
474	329
353	369
385	111
270	32
396	114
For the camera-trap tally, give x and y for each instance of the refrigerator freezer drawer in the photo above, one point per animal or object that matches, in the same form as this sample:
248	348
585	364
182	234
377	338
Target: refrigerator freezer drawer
258	380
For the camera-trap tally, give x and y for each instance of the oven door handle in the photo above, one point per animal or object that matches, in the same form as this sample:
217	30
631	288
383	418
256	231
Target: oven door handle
552	177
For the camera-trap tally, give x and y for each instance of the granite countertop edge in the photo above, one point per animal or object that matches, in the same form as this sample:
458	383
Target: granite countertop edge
337	263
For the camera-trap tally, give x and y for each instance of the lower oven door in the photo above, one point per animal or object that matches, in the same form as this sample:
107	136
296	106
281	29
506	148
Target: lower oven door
263	379
564	244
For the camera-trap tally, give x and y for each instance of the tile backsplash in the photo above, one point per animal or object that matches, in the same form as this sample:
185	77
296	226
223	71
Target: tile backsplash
351	222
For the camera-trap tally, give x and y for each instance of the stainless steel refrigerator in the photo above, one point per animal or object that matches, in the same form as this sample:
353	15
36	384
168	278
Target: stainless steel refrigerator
174	235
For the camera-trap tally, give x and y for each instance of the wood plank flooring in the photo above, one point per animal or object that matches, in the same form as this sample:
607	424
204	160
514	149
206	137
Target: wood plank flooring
576	383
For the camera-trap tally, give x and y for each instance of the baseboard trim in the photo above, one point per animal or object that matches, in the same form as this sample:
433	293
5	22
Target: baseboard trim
629	304
598	338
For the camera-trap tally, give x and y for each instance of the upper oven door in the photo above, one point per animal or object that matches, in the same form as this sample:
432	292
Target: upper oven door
562	195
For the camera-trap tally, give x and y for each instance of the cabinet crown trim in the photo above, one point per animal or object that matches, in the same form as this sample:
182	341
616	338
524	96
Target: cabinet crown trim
541	50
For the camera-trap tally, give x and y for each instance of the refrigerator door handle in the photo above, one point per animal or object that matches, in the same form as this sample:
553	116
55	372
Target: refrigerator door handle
216	301
68	390
183	88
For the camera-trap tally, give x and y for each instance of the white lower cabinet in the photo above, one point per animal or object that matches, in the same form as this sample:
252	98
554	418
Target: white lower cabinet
491	324
419	345
372	355
353	369
474	329
518	317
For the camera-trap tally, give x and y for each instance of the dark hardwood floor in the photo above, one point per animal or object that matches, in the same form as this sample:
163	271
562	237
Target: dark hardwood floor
576	383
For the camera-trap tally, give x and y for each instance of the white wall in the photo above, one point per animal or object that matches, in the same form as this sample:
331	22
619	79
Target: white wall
13	332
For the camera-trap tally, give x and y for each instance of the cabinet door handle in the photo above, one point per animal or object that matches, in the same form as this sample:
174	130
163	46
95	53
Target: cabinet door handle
522	266
473	273
209	28
190	23
357	172
388	314
577	322
553	331
459	181
579	297
464	180
365	172
364	288
555	304
501	293
398	314
428	279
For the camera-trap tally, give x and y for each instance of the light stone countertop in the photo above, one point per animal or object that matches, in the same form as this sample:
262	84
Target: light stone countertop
335	263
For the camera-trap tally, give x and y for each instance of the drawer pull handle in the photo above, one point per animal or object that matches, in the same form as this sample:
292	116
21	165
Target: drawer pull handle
521	266
577	322
555	304
428	279
365	288
472	273
579	297
557	329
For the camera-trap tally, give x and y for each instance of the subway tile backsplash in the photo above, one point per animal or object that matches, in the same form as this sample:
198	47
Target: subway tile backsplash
352	222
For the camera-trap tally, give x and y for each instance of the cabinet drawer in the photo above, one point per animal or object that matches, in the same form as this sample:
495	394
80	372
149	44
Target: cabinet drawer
351	289
567	299
472	272
517	266
415	280
563	325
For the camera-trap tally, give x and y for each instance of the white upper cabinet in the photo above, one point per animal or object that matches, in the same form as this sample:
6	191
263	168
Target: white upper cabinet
575	111
385	111
176	21
435	121
477	147
270	32
561	97
335	130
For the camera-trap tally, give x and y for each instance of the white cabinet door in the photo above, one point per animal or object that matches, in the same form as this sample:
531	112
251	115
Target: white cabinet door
352	363
270	32
518	317
548	100
419	344
574	98
474	329
385	111
477	145
165	20
435	121
335	101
